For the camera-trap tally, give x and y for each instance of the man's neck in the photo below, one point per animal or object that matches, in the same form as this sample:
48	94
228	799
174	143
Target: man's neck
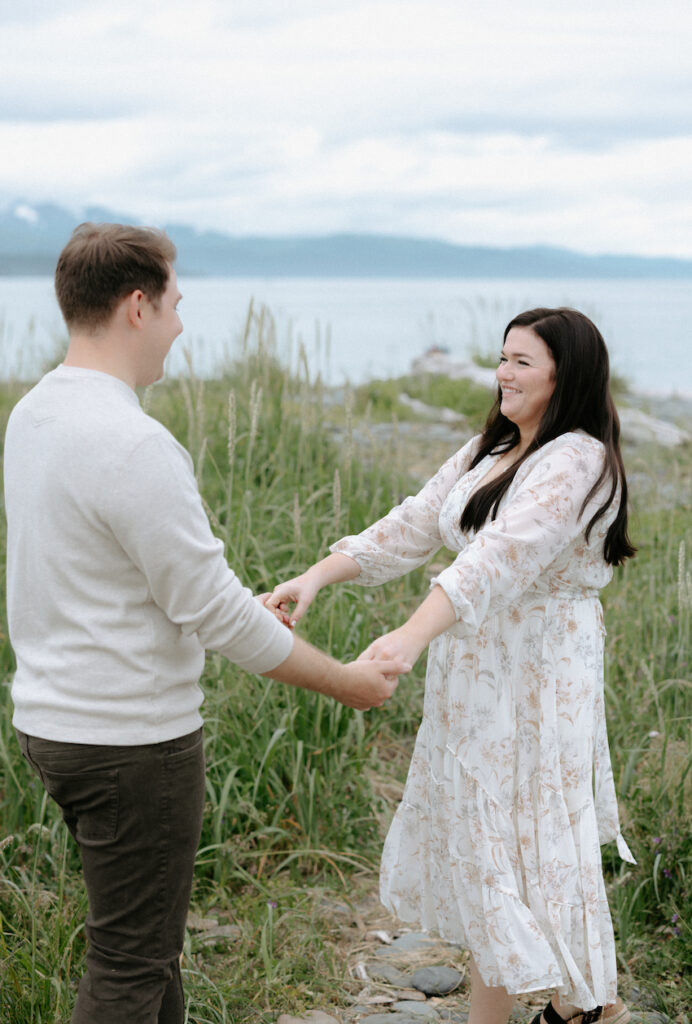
101	353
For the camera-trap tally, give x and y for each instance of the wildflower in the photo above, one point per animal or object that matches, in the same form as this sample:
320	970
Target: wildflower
674	919
657	840
272	904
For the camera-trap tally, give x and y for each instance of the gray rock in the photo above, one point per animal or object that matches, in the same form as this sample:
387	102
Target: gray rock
335	907
411	941
211	936
311	1017
426	1010
389	974
453	1016
637	426
436	981
431	412
638	998
391	1018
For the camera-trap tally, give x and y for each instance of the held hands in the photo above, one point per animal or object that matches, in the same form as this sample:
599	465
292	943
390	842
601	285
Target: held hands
372	679
432	617
300	592
369	683
399	644
373	676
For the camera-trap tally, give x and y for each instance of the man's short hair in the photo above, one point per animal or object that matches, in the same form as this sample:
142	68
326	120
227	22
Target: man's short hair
102	263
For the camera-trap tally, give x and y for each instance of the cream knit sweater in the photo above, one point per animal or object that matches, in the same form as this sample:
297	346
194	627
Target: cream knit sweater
115	582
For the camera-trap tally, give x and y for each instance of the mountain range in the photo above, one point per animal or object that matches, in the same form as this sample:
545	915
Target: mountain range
31	236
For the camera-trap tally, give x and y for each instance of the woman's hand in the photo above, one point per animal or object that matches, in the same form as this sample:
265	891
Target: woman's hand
299	592
302	590
400	644
263	599
432	617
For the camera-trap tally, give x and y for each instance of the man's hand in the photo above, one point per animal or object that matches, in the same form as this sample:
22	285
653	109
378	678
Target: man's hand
362	684
368	684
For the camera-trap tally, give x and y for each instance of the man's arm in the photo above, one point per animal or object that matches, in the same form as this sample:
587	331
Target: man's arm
361	684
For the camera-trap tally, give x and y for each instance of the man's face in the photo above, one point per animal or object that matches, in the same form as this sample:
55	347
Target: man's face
163	327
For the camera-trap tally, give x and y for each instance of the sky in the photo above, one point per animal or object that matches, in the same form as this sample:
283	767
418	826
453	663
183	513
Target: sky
498	123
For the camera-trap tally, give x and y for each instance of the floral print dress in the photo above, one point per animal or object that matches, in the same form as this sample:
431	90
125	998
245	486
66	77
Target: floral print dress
496	843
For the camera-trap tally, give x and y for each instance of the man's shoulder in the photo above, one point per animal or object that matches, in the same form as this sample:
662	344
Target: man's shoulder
89	415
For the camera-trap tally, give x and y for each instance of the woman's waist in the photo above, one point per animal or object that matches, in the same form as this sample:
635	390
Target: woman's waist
555	587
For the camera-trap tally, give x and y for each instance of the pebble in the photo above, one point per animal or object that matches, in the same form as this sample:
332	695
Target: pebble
410	942
436	981
389	1018
639	997
417	1009
412	993
311	1017
230	932
389	974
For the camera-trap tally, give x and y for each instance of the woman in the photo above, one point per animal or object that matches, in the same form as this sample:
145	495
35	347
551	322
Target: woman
496	843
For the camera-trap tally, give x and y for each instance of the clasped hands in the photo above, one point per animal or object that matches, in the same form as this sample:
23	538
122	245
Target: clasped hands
290	601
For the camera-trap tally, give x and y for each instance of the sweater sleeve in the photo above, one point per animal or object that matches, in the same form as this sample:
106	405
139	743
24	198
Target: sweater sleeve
155	511
408	535
536	521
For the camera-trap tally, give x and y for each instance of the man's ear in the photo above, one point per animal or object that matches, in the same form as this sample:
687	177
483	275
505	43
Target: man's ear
134	303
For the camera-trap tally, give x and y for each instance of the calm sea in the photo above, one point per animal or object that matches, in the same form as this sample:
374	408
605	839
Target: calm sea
355	329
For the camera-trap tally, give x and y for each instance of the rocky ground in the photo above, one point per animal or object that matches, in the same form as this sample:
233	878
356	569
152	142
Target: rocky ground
400	976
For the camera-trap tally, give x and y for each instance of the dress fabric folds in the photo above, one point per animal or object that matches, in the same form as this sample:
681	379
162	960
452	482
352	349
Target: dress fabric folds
496	843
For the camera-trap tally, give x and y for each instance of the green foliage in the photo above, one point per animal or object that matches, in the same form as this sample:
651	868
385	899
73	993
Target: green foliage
379	399
295	812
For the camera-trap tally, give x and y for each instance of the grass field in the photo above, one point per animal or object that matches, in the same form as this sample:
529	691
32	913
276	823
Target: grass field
300	789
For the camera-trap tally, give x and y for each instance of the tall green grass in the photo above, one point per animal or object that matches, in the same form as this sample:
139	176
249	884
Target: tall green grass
297	785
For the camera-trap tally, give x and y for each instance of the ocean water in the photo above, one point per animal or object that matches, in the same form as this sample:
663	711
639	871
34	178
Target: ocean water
356	329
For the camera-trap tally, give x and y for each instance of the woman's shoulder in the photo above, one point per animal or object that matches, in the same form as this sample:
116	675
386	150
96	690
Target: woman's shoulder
574	453
467	453
577	441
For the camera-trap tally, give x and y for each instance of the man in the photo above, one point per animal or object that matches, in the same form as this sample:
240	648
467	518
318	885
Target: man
116	586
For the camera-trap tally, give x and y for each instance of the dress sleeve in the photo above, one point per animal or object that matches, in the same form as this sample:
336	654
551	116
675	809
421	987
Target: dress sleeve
155	511
408	535
536	521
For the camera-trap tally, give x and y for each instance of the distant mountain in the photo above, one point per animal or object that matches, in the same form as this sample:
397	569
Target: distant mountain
32	236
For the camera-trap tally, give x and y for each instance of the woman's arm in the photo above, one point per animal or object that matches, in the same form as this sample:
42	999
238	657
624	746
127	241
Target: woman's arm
508	553
432	617
399	542
302	590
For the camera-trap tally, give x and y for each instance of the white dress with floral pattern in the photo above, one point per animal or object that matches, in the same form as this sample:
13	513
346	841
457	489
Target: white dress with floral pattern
496	843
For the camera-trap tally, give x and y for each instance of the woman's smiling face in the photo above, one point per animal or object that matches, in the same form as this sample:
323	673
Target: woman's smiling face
526	376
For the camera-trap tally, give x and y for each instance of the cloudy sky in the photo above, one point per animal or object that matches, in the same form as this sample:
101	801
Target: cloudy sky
502	123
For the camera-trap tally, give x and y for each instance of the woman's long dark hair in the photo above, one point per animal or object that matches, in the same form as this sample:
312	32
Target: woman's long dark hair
581	400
